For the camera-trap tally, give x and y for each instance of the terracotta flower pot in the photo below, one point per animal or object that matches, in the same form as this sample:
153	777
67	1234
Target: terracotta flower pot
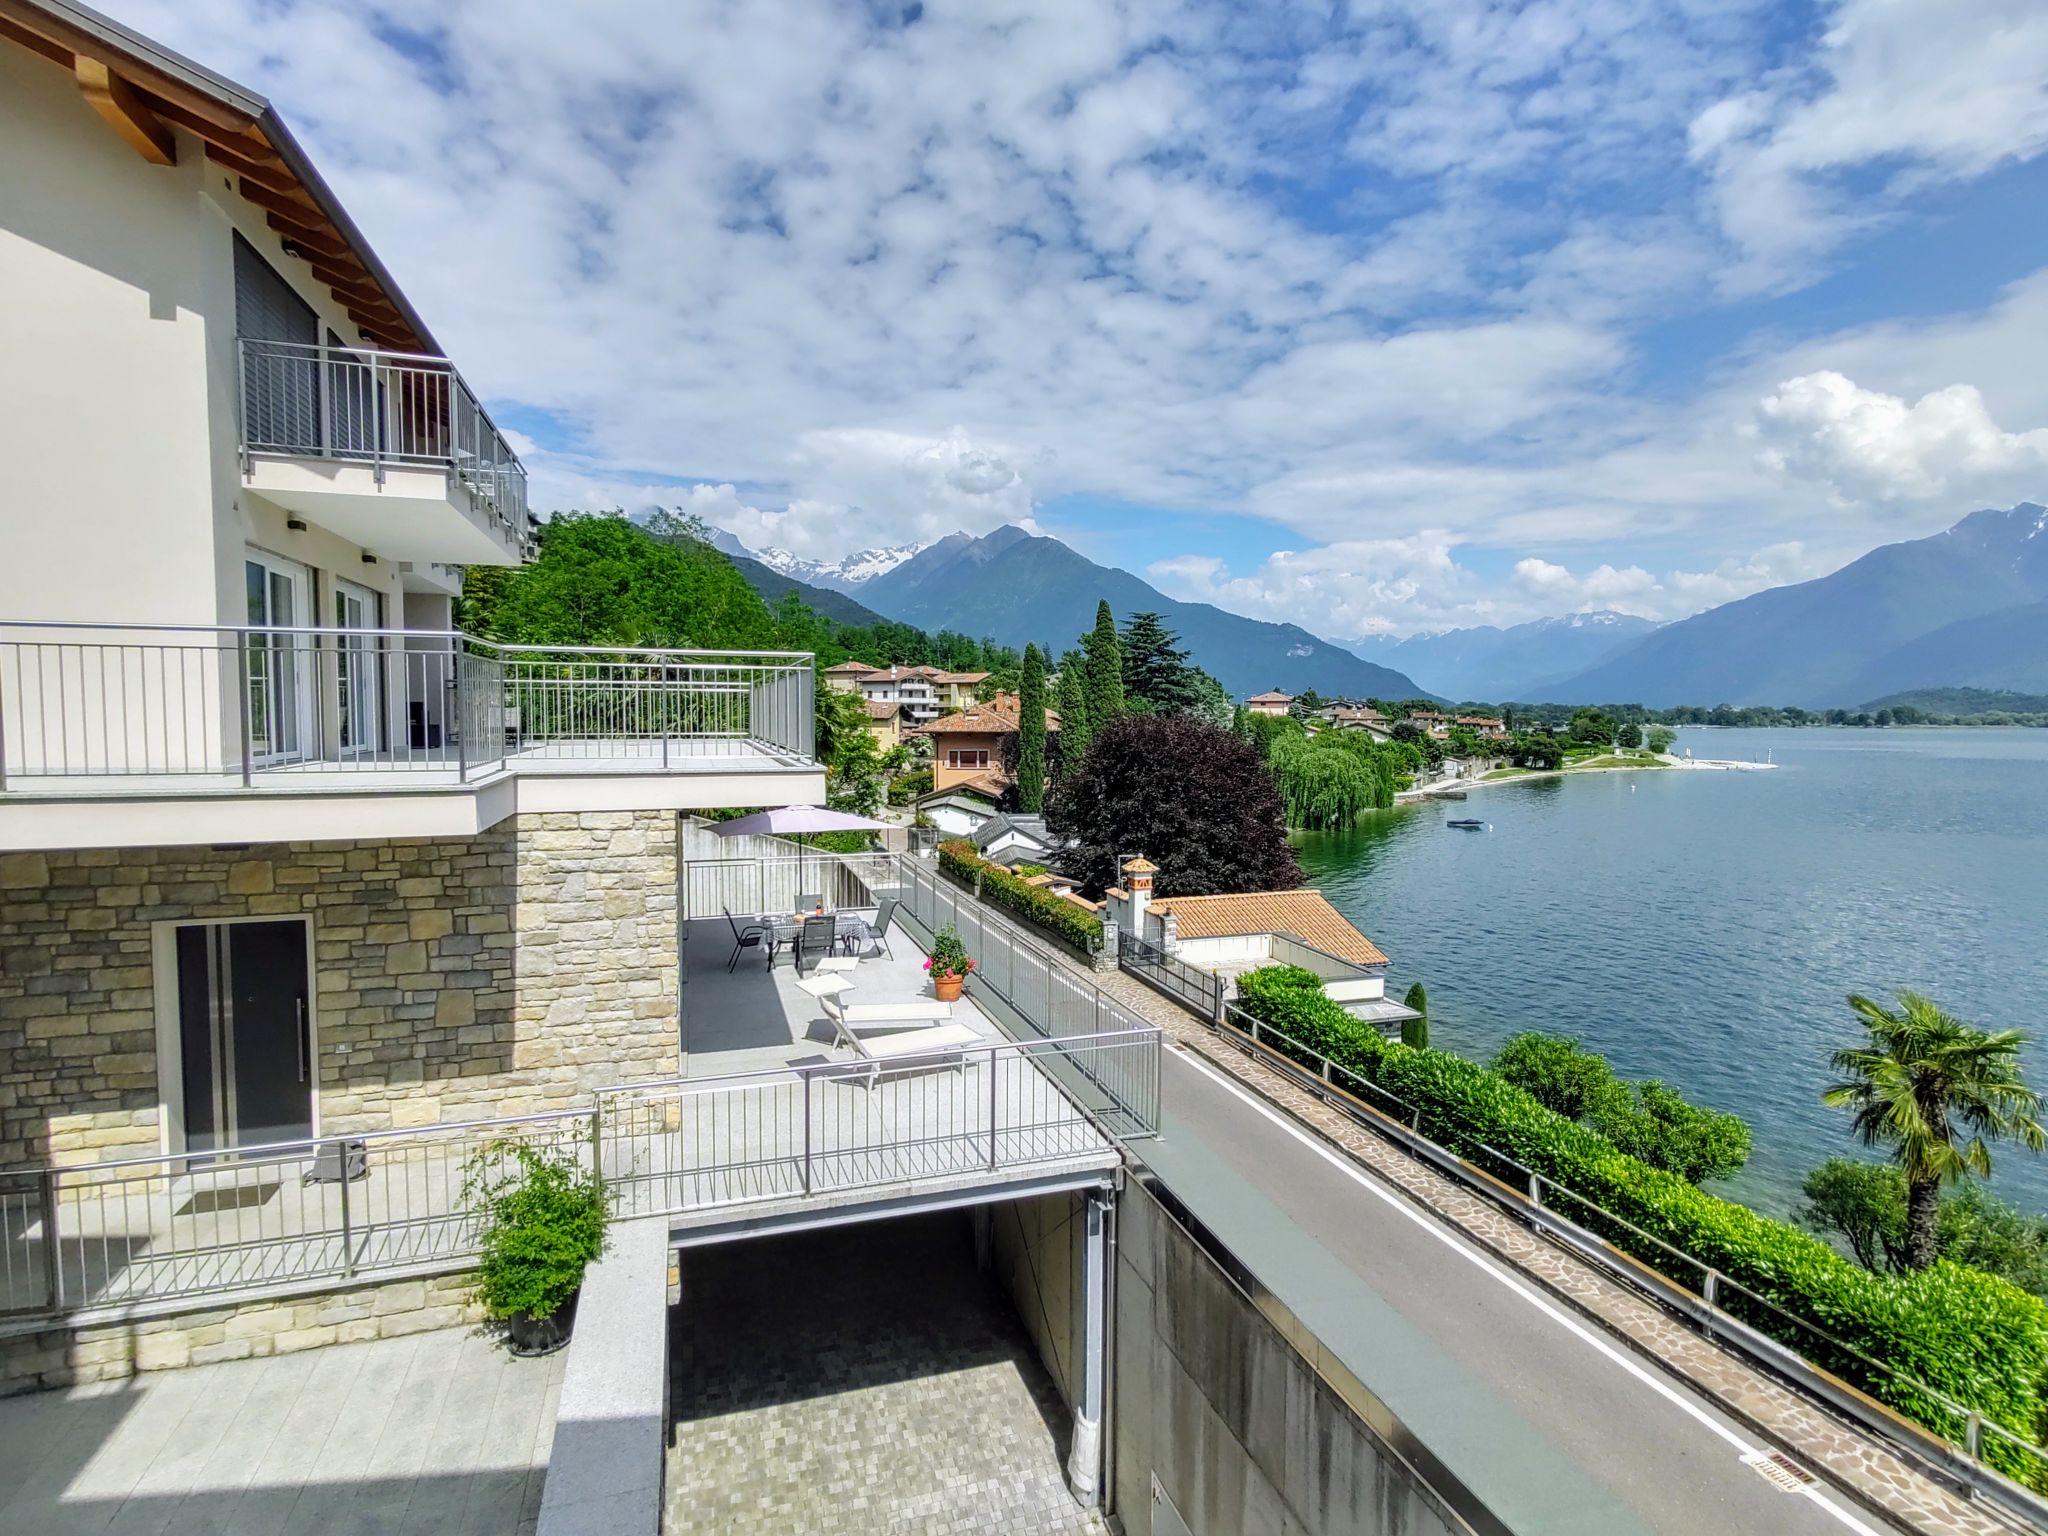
947	988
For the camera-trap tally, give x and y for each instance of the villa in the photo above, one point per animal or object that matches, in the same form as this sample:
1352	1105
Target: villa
1271	703
1228	935
316	911
970	749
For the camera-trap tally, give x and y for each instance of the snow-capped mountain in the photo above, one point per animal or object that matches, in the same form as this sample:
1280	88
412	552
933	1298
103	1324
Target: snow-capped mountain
842	575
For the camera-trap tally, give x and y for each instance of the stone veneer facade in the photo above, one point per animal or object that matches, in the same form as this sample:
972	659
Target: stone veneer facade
455	979
64	1355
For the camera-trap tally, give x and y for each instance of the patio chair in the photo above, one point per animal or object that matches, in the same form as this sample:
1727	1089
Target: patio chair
912	1034
878	930
814	941
753	936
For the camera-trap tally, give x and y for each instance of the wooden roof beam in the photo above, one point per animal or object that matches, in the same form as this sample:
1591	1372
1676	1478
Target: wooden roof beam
140	73
125	111
314	244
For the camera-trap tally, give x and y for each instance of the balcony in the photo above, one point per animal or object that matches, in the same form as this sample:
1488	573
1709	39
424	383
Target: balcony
390	450
394	732
770	1120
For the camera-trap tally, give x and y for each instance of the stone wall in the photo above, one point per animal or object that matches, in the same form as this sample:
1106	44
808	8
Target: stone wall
455	979
66	1356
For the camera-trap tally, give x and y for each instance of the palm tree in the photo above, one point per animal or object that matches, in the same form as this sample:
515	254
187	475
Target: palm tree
1936	1091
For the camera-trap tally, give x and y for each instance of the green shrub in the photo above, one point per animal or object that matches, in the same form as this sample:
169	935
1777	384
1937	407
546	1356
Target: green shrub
1976	1338
1072	924
543	1222
1646	1120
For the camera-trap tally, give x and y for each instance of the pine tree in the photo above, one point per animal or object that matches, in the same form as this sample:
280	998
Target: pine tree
1105	669
1155	667
1031	732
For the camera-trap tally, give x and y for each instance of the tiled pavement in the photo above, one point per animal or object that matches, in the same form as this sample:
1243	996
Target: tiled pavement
436	1434
867	1379
1862	1466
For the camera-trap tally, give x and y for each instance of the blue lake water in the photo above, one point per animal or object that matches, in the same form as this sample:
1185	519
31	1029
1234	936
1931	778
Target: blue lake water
1704	927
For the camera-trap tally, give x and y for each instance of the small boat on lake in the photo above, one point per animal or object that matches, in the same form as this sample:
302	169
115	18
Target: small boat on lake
1467	824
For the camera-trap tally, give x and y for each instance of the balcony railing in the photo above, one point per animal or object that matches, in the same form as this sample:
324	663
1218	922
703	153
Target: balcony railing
80	702
143	1230
307	400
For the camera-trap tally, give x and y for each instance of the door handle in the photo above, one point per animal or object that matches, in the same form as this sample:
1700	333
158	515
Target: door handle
299	1004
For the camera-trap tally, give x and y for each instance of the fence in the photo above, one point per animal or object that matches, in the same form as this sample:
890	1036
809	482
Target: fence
751	885
1963	1444
162	1228
1201	992
92	700
684	1145
148	1229
377	408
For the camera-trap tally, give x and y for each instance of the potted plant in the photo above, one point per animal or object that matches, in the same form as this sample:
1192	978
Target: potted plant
543	1218
948	964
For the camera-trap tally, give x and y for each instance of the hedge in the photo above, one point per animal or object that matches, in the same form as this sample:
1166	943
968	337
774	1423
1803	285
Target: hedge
1977	1338
1034	904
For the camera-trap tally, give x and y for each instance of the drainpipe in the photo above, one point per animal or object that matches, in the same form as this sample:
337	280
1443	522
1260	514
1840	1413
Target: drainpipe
1084	1461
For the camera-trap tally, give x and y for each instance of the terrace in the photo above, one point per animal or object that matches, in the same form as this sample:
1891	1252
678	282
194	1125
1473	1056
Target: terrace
768	1119
95	716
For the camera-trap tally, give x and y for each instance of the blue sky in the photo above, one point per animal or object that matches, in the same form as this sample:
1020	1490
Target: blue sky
1387	317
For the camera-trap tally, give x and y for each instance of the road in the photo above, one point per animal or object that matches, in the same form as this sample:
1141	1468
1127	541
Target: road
1550	1422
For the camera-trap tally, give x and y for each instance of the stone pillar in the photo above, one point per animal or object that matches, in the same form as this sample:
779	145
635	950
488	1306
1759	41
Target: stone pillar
1138	875
1104	959
1084	1460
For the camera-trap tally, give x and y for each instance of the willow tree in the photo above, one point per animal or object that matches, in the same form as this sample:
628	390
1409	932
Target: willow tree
1031	732
1934	1091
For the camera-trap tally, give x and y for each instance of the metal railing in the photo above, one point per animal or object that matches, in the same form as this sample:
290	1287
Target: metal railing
1959	1440
1200	991
755	885
154	1229
310	400
161	1228
685	1145
101	700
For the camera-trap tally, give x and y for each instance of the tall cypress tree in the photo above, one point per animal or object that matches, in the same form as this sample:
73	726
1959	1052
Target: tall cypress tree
1031	732
1105	668
1075	726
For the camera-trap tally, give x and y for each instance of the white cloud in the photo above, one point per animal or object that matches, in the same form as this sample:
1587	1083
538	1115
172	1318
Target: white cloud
838	275
1870	446
1910	91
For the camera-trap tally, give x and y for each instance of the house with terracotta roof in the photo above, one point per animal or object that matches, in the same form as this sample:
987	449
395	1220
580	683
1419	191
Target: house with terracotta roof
1361	717
969	749
912	687
1232	933
845	676
1274	703
1491	726
885	723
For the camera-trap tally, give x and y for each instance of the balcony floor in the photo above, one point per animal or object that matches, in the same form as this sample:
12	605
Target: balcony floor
425	772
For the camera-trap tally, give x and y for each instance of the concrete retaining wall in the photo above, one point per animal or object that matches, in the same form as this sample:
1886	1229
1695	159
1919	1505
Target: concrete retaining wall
1240	1432
1036	1253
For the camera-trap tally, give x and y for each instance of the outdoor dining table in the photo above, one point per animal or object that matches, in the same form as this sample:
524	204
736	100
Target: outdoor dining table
847	927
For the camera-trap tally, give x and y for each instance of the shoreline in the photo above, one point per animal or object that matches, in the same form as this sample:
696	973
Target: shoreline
1439	790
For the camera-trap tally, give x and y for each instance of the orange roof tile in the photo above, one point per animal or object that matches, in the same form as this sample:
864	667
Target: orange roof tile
1305	914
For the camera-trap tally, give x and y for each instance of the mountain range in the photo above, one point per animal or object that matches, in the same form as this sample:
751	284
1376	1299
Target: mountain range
1015	586
1963	609
1966	608
1519	662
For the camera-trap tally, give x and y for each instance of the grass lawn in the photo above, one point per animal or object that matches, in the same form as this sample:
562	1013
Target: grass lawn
1504	773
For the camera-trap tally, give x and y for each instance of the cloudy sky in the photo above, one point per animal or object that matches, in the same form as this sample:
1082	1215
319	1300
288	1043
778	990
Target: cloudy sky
1379	317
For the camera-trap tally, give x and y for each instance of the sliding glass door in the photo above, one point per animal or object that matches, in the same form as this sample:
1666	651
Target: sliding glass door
280	663
359	675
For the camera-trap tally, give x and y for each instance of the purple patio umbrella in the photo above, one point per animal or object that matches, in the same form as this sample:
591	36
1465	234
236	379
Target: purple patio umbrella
796	821
789	820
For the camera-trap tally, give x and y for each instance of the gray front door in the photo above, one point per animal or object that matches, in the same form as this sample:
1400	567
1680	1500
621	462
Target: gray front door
245	1033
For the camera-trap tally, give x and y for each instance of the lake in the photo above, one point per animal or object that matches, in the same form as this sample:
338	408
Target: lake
1703	927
